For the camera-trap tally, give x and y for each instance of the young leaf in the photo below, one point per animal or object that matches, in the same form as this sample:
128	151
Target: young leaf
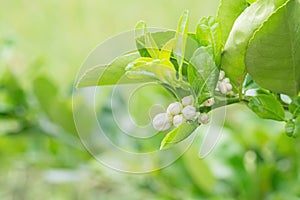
228	12
177	135
233	60
111	74
267	107
160	38
209	34
273	54
203	73
155	69
151	46
294	107
181	38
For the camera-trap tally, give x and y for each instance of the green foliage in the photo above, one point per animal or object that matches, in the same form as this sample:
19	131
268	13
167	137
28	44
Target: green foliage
267	107
203	74
233	60
228	12
178	134
209	33
277	69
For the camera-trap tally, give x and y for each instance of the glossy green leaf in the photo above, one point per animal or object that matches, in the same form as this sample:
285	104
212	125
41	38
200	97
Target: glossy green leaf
111	74
209	34
273	56
203	73
267	107
228	12
166	50
233	60
294	107
181	39
292	127
177	135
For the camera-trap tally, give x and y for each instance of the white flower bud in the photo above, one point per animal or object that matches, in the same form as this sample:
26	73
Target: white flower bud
226	80
209	102
228	86
203	118
161	122
189	112
221	75
174	108
178	120
189	100
222	87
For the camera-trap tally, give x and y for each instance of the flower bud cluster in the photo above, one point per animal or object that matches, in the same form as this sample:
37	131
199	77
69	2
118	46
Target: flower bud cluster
224	85
178	113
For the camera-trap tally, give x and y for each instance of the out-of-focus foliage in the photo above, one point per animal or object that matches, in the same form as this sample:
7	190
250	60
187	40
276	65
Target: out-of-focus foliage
41	47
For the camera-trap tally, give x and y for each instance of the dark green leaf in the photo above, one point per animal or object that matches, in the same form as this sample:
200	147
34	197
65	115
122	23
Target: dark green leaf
111	74
294	107
177	135
209	34
273	54
233	60
267	107
228	12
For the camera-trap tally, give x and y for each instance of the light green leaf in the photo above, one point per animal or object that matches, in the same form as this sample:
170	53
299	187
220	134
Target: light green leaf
160	38
140	29
203	73
111	74
151	46
273	54
209	34
228	12
233	60
181	39
166	50
177	135
155	69
292	127
294	107
267	107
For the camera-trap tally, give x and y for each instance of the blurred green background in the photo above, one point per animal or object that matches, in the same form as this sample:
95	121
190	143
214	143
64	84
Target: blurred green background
43	44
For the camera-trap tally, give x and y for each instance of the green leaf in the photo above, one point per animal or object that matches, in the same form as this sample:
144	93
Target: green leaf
209	34
178	134
160	38
155	69
267	107
273	54
203	73
166	50
294	107
233	60
228	12
151	46
111	74
292	127
181	39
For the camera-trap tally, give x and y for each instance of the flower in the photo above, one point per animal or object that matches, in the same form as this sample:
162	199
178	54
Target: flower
209	102
161	122
188	100
189	112
203	118
174	108
178	120
221	75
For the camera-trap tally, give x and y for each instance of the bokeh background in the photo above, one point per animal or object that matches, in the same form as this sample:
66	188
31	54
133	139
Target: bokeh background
43	44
